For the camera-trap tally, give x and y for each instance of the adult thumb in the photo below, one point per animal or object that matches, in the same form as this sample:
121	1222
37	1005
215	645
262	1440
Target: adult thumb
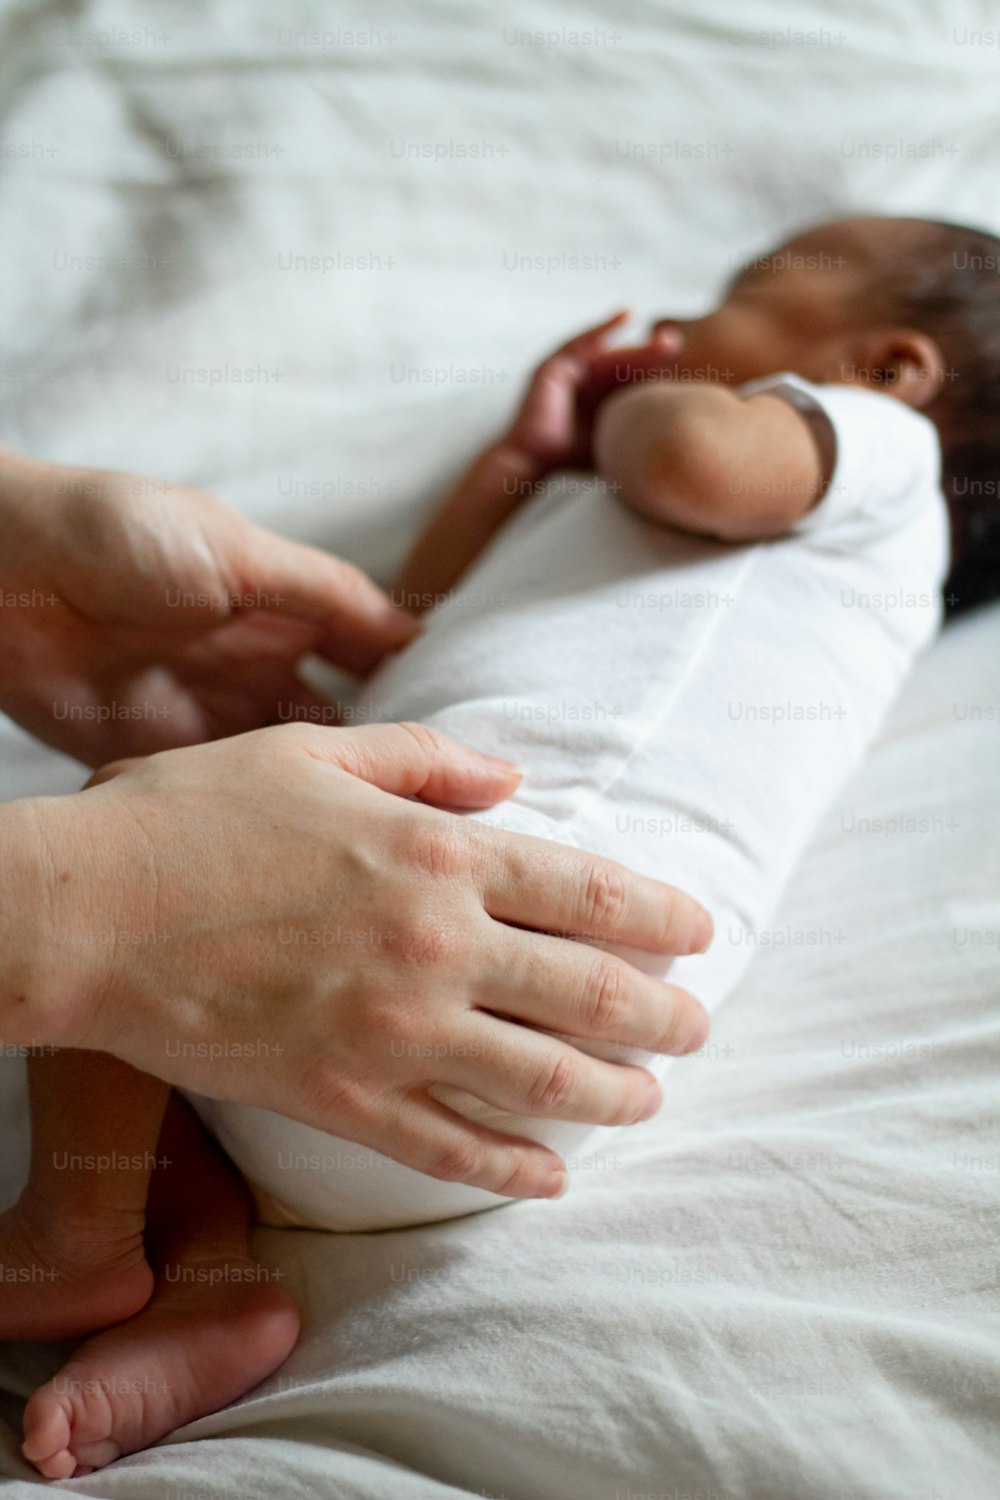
413	760
356	623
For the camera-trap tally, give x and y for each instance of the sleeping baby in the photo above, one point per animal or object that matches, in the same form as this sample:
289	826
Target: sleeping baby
682	591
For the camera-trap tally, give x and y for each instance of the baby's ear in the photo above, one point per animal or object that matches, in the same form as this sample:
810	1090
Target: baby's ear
901	362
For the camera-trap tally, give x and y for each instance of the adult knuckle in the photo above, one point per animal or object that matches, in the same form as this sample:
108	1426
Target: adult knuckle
462	1161
297	737
605	995
110	771
440	850
431	742
511	1175
331	1093
556	1086
604	897
384	1022
425	945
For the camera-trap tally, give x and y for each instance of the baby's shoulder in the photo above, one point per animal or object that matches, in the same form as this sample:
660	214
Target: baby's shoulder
885	474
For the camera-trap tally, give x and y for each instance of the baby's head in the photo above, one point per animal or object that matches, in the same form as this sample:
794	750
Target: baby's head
909	307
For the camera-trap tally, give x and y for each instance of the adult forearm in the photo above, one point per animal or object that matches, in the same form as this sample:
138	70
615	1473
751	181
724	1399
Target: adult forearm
38	1001
24	596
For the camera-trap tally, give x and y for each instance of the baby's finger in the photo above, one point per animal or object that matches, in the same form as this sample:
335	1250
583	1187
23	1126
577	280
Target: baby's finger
624	363
614	369
427	1136
652	353
581	343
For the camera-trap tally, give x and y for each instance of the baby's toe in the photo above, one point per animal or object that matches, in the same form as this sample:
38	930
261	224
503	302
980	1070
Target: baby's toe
47	1428
92	1456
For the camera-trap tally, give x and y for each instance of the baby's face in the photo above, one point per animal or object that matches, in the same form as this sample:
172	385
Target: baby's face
798	308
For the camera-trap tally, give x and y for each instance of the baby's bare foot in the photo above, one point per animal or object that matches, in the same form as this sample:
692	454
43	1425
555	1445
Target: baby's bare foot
215	1327
66	1269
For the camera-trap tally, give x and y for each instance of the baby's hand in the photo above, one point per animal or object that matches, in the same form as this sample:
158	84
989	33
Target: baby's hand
554	427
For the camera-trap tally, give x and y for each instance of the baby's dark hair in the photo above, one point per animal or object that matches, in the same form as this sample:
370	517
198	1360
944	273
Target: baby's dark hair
948	286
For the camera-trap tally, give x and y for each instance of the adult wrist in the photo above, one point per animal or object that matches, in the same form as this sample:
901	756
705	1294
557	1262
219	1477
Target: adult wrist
28	597
29	1005
51	911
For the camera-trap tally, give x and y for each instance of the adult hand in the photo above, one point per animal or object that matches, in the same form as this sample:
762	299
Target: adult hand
257	920
146	615
554	425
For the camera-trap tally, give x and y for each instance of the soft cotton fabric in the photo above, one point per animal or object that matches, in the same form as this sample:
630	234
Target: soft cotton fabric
684	706
785	1286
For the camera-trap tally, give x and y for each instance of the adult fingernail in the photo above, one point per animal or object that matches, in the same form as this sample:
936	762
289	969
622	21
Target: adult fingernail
510	766
652	1105
698	1033
704	931
557	1185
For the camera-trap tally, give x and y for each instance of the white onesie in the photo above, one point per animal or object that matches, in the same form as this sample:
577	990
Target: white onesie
686	707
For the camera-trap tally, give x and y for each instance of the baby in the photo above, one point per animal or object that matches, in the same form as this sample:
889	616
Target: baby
689	649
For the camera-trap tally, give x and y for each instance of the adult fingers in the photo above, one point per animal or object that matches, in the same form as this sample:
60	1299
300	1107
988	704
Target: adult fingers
527	1072
358	623
413	760
583	992
427	1136
534	883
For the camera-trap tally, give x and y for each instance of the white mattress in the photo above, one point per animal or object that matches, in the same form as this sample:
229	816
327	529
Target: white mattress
786	1286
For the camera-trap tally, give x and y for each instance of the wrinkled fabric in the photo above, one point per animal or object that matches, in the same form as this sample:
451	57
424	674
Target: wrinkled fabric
785	1286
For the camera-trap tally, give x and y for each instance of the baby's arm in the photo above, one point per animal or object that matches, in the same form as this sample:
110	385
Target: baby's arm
487	495
706	460
699	458
551	430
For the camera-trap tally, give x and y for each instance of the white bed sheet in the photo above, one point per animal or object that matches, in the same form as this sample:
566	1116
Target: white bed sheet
786	1286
